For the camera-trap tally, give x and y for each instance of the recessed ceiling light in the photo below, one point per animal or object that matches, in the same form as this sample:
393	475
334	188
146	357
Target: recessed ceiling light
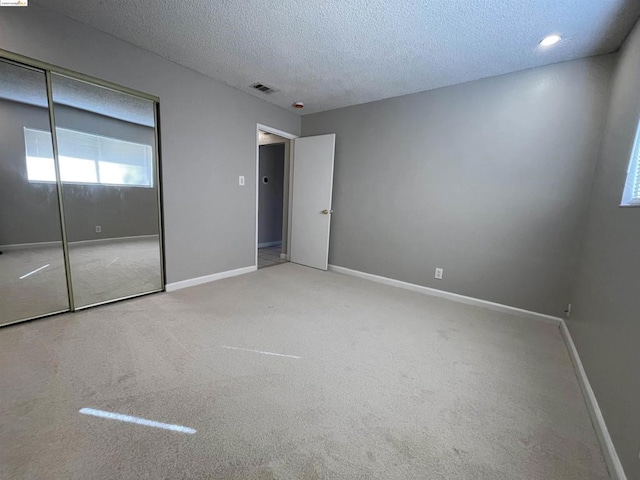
550	40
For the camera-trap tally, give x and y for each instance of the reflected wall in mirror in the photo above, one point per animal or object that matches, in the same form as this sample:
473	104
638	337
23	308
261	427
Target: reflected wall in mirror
32	269
106	151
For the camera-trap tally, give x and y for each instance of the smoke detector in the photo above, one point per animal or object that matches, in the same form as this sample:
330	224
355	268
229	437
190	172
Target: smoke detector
298	105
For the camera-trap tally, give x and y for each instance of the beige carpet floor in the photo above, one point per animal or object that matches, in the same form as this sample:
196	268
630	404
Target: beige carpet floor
377	383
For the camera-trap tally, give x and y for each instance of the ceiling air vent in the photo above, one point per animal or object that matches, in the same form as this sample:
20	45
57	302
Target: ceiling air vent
262	88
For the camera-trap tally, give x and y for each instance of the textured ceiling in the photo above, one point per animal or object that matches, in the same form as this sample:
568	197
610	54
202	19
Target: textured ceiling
103	101
24	85
335	53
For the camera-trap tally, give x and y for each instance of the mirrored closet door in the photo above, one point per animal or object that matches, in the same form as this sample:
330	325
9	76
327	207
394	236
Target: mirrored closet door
106	150
32	268
80	217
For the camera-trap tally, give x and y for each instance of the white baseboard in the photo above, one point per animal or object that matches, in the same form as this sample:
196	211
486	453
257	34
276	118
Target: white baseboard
269	244
24	246
115	239
606	444
497	307
192	282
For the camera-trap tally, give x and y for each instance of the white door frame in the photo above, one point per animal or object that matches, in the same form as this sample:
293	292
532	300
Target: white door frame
289	136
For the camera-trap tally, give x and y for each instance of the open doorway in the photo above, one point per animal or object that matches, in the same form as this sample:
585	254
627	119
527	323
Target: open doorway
273	172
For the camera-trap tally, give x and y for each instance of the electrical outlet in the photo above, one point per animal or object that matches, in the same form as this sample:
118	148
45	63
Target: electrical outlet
98	229
439	272
241	180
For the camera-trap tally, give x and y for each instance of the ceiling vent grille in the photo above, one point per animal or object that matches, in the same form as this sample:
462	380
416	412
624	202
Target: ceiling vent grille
262	88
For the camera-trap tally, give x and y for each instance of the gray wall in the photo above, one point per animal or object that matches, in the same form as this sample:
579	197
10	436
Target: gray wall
605	323
208	136
28	211
271	195
488	180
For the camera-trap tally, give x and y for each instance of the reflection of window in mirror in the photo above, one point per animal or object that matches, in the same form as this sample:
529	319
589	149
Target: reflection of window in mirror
631	194
87	158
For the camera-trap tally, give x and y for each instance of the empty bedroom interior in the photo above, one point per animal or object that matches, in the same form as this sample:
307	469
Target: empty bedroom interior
477	314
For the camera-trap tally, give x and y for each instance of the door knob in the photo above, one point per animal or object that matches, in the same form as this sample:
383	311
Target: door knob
326	212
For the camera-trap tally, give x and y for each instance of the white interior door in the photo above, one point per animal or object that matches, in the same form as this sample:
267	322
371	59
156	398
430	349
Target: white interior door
311	200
